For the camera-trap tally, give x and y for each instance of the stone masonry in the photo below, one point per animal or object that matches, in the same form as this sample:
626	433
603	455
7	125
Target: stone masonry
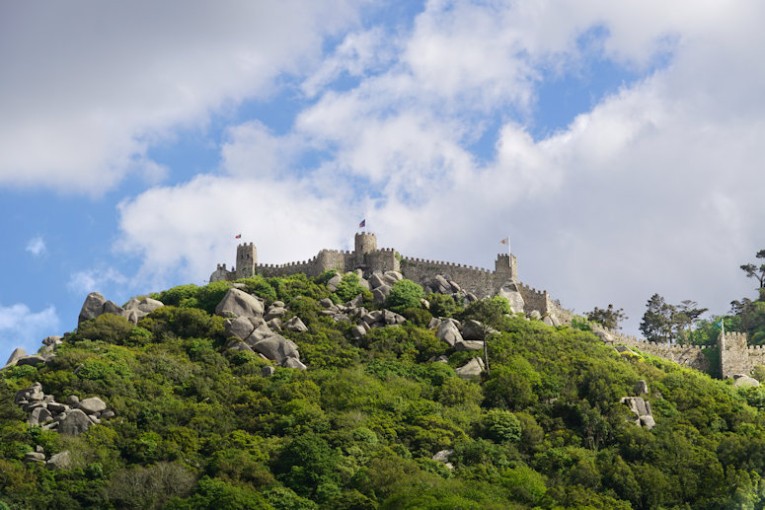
368	258
735	356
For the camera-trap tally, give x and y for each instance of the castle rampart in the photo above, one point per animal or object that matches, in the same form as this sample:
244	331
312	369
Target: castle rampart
368	258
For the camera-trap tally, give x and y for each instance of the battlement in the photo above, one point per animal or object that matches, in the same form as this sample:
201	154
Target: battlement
367	258
444	264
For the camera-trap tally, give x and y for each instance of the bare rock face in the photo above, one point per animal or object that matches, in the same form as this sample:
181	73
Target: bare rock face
641	409
295	324
75	423
241	327
96	304
92	405
742	380
381	293
472	369
448	332
16	355
510	292
136	309
276	348
60	460
473	330
238	303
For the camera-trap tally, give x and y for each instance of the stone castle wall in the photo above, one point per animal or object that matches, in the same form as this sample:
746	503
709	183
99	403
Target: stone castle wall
366	257
736	357
480	282
688	355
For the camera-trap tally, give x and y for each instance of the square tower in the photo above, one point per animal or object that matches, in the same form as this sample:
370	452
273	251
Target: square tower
246	260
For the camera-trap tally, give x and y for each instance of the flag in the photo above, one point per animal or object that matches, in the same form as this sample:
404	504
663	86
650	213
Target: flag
238	236
505	241
363	223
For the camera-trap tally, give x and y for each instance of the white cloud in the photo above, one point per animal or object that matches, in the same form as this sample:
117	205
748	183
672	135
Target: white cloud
36	246
21	327
653	190
183	231
96	280
79	116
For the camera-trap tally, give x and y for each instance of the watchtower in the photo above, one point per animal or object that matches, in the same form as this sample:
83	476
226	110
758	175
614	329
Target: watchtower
506	267
364	243
246	260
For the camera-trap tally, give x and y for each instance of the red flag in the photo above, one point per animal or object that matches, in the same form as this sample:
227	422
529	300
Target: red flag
238	236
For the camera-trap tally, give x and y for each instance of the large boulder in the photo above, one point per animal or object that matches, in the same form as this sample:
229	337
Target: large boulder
75	423
92	405
136	309
742	380
381	293
241	327
376	280
16	355
334	282
60	460
510	292
641	409
473	330
96	304
295	324
276	347
237	303
294	363
448	332
472	369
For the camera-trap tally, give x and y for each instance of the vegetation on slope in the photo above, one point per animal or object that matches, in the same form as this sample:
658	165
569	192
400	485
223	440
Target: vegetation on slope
197	427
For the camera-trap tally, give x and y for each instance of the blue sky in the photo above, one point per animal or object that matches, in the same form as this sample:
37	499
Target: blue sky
617	144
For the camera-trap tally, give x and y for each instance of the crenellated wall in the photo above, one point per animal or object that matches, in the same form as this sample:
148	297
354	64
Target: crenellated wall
479	281
368	258
689	355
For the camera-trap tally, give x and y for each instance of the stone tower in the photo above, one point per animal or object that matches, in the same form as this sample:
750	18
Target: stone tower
364	243
246	260
734	354
506	267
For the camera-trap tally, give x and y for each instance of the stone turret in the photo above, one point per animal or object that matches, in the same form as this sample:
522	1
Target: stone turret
506	267
365	243
734	355
246	260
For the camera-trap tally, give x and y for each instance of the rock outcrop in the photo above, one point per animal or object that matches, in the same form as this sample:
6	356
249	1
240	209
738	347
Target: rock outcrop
641	409
74	417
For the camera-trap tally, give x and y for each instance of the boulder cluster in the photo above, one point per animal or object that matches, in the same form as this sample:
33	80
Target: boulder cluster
60	460
72	417
364	319
134	310
640	407
253	328
19	356
440	284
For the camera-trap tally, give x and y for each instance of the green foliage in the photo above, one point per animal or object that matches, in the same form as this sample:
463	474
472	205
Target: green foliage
108	327
260	287
404	294
442	305
608	317
501	426
199	427
349	287
491	311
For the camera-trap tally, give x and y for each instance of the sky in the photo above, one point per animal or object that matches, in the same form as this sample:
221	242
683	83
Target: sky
619	145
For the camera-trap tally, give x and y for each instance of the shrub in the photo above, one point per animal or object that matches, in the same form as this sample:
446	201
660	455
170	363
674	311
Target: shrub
349	287
405	294
108	327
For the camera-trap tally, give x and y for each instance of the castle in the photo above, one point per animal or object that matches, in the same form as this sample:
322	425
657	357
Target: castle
367	258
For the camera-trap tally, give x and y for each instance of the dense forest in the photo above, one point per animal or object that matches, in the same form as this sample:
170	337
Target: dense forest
376	421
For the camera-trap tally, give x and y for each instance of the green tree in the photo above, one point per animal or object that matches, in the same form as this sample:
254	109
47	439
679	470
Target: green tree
756	271
609	317
657	320
404	294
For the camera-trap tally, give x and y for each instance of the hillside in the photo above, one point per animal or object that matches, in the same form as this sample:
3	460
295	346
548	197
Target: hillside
363	404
